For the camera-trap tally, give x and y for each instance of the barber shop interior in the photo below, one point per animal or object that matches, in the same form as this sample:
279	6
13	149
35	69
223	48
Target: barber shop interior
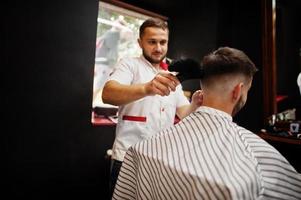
152	99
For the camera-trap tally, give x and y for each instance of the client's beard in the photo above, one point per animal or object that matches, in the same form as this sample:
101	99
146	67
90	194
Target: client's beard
239	105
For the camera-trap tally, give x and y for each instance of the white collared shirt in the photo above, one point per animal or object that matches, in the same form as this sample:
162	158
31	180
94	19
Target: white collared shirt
153	113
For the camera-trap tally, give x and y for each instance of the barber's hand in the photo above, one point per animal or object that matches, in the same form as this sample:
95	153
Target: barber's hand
162	84
197	98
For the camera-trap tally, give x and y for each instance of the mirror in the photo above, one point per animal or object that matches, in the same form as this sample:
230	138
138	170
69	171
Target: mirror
281	55
117	33
288	49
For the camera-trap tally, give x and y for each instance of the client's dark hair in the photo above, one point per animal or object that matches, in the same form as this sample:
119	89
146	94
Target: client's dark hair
226	60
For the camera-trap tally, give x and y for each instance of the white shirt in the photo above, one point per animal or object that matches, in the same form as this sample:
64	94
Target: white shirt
154	112
206	156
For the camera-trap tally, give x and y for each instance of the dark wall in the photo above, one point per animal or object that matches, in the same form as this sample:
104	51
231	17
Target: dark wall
52	149
239	26
194	34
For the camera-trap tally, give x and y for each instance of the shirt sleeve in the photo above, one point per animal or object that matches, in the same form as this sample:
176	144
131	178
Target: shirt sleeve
181	98
122	72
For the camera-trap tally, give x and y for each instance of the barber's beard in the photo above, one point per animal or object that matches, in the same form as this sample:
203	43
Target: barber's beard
239	105
151	60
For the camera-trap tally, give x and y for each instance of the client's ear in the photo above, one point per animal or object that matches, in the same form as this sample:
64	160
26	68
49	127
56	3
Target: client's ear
237	90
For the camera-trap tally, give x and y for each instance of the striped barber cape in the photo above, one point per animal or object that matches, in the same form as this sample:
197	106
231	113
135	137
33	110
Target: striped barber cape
206	156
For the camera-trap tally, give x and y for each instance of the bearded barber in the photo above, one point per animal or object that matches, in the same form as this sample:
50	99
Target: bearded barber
148	97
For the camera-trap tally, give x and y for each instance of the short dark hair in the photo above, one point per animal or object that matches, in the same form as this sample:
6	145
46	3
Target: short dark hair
226	60
152	22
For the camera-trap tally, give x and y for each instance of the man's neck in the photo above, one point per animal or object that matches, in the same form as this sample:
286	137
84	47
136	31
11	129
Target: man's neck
155	65
217	103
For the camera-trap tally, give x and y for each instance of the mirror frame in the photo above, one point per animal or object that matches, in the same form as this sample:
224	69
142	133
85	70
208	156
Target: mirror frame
269	70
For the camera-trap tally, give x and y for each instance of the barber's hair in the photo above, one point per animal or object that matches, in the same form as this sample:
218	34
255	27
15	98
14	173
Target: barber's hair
153	22
227	61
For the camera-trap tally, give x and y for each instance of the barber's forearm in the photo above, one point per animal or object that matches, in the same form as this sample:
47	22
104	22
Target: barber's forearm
196	101
117	94
184	111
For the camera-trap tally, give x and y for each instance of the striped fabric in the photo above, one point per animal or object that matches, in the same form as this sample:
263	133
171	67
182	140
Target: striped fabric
206	156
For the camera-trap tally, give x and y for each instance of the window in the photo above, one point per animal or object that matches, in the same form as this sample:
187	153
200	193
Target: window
117	32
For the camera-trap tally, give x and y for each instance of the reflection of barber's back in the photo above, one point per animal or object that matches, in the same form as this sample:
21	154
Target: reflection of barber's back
107	45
